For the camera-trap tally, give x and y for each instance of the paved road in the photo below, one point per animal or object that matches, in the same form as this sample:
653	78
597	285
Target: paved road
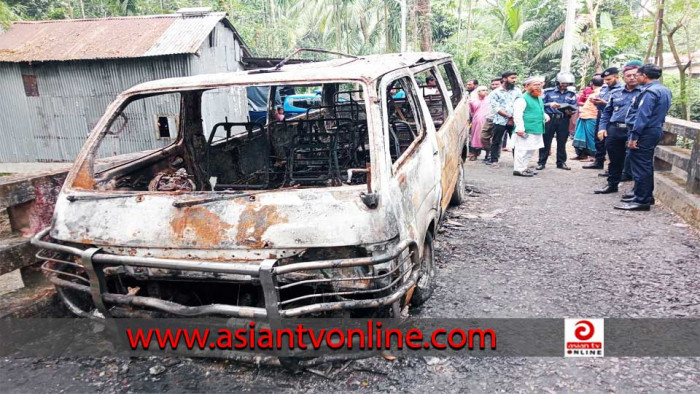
537	247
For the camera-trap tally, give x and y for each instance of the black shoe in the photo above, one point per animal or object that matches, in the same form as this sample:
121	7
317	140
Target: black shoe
633	206
540	167
522	173
606	190
488	161
631	199
594	166
628	195
563	167
626	178
604	174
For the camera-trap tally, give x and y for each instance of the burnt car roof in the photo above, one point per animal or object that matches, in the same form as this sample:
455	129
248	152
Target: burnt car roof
365	68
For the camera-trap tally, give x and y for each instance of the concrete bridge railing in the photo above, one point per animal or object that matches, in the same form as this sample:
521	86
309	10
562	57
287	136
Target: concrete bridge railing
678	169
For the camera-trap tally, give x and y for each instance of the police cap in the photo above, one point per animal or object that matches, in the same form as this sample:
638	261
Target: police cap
610	71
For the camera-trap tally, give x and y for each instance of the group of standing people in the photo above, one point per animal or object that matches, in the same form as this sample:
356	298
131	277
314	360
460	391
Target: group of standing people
623	121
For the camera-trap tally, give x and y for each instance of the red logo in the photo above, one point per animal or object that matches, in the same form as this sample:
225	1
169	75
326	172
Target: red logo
584	337
584	330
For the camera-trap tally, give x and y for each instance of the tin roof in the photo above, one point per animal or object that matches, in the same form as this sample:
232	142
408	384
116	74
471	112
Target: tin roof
109	38
365	68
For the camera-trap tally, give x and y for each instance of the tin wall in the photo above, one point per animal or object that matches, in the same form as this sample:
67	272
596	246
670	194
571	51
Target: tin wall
73	95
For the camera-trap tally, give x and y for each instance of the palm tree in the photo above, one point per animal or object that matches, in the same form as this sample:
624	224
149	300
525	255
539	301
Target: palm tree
513	17
353	26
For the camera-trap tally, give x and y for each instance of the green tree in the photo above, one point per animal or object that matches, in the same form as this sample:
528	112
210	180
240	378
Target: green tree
7	15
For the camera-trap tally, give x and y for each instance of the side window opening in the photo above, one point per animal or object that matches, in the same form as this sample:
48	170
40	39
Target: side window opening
404	126
166	126
433	95
454	89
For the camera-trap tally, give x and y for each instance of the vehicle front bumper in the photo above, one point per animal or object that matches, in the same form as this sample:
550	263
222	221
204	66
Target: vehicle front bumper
267	272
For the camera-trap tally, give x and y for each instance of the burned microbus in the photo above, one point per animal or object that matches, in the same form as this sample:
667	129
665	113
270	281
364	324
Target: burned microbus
310	189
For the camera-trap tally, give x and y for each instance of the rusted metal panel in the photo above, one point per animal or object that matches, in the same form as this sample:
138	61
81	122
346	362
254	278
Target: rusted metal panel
275	220
108	38
82	39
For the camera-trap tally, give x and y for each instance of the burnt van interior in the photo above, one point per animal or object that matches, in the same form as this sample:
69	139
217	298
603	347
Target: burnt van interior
229	139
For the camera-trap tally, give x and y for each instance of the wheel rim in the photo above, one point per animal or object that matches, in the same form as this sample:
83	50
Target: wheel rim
426	266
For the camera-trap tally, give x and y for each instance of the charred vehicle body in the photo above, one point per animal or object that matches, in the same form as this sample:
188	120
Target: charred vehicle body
328	212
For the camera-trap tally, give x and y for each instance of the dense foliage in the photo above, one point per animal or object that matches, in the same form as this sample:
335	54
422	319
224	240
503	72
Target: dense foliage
485	37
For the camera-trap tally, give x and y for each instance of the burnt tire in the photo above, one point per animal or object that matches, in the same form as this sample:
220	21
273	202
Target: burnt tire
426	283
291	363
459	194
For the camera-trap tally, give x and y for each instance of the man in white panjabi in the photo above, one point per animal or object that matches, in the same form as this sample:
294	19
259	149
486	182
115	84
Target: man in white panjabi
529	119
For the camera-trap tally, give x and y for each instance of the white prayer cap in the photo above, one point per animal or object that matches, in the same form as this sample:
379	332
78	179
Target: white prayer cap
532	79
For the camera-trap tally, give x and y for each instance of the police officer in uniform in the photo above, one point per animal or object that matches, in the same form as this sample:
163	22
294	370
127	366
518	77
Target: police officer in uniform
554	99
611	78
651	107
613	128
626	173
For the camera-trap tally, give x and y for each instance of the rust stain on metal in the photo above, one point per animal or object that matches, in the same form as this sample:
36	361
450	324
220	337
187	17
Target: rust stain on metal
206	226
402	178
83	179
253	223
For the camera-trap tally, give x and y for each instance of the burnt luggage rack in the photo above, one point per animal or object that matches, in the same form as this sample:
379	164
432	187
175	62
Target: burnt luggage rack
350	130
436	106
313	154
347	109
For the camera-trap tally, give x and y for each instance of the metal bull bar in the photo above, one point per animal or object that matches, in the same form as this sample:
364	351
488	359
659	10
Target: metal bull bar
267	272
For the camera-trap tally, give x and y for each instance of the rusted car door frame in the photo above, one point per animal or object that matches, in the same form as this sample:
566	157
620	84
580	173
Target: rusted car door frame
452	135
414	177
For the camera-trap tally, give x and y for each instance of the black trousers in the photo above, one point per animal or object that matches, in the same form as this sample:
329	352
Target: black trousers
599	145
498	132
626	169
642	164
616	146
560	128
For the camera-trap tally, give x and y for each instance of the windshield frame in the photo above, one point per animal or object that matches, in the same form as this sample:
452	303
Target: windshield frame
81	179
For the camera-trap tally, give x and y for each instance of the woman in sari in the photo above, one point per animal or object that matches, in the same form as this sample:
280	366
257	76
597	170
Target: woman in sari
585	135
479	108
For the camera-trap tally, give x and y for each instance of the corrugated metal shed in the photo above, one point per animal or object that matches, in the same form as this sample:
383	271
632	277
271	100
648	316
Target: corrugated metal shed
109	38
52	123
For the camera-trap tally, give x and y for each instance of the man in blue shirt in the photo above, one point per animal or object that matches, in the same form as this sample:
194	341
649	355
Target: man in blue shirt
650	107
501	107
611	78
613	128
559	104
